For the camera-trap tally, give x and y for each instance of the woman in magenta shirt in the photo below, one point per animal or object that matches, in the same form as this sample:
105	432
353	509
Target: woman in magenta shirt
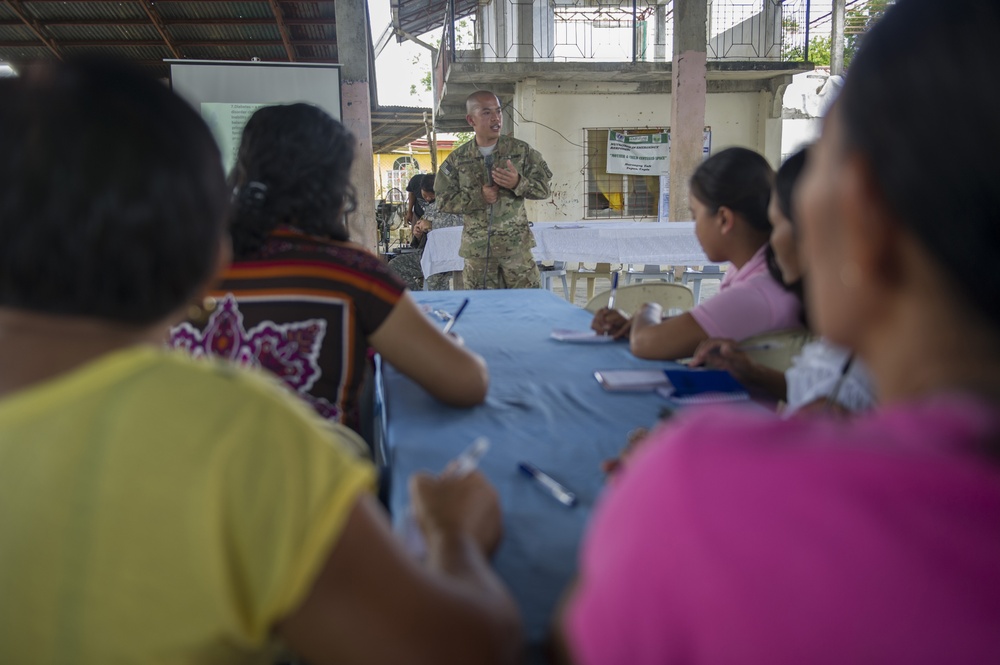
734	537
730	193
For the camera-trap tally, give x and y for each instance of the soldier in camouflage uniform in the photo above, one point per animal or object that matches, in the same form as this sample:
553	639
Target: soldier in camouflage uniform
496	240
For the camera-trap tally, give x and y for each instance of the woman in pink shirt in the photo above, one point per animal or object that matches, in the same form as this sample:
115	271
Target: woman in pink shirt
730	193
736	537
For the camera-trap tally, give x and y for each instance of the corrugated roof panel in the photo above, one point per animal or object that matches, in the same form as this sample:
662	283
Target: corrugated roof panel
309	9
226	33
19	54
79	33
6	13
317	52
208	10
129	52
45	11
236	53
420	16
313	33
16	33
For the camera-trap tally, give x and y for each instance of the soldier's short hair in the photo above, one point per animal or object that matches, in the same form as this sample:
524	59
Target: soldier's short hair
474	100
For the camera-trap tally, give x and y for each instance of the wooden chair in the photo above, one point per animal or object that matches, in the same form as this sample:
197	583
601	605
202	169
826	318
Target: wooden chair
630	298
591	275
776	349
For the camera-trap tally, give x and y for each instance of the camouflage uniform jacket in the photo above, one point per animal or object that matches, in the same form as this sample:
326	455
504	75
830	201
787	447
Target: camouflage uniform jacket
459	189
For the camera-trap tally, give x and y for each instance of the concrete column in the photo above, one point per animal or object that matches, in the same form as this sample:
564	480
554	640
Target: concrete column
355	109
688	97
838	19
524	101
660	46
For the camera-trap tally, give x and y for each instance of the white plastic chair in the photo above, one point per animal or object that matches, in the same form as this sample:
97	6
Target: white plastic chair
649	272
548	273
630	298
696	276
776	349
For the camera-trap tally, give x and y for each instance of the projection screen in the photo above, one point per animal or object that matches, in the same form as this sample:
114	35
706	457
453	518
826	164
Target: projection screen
227	93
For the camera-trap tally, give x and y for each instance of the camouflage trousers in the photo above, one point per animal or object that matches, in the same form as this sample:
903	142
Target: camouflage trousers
517	271
407	268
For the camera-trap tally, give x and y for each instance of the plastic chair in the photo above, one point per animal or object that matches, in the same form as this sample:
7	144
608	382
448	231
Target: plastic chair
707	272
548	273
630	298
591	275
648	272
776	349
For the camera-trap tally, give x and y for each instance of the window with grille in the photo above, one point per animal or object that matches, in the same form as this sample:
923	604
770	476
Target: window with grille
613	195
403	169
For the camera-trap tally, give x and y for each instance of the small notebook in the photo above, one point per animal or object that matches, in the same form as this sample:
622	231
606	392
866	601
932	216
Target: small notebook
702	386
631	380
580	336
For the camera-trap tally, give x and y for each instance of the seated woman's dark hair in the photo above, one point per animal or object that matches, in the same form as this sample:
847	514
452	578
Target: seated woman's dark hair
785	181
293	168
739	179
933	160
113	200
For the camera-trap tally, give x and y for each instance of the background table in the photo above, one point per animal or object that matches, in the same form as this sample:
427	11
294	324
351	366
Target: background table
655	243
543	406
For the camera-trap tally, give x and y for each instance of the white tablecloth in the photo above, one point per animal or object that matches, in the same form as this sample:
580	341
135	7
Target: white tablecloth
656	243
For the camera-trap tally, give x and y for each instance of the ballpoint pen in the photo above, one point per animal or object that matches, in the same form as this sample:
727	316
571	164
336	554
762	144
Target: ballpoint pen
461	466
451	322
546	482
614	290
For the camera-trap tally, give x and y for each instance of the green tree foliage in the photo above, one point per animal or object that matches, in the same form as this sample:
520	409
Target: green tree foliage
858	20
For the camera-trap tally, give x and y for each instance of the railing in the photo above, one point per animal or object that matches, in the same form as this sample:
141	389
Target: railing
624	31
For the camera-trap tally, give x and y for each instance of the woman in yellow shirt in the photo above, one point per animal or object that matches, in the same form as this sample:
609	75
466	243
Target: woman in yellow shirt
154	509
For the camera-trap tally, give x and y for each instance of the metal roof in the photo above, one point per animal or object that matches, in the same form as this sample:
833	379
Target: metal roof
148	31
415	17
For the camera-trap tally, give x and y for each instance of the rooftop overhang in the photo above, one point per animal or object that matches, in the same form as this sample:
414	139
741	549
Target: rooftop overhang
416	17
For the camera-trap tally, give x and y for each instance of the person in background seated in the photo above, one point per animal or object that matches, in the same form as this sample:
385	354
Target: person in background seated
302	301
407	266
739	537
729	198
158	509
822	376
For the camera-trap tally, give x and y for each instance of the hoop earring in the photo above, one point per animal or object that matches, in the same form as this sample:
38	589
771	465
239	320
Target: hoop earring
850	275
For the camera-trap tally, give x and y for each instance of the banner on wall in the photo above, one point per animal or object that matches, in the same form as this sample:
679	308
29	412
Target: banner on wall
638	154
664	209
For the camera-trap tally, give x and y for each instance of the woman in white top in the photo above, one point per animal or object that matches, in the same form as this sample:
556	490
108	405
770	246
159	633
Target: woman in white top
822	376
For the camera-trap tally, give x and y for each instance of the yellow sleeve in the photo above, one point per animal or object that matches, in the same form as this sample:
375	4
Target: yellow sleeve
289	490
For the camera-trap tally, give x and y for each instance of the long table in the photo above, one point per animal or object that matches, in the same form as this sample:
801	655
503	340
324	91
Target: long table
543	406
656	243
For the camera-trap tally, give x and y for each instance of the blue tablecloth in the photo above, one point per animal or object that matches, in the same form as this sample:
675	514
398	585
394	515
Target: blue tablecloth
543	406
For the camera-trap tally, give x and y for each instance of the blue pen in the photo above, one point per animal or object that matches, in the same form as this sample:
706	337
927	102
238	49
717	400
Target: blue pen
546	482
614	290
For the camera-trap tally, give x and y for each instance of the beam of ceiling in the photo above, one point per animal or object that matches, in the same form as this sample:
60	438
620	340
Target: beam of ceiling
280	20
33	25
128	22
154	17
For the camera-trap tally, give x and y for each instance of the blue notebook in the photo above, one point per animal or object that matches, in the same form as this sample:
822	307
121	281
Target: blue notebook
702	386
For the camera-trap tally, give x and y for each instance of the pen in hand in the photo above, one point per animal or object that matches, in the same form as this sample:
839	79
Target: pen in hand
451	322
614	290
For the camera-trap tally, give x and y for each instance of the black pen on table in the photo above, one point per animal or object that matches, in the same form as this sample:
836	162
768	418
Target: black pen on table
548	483
451	322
